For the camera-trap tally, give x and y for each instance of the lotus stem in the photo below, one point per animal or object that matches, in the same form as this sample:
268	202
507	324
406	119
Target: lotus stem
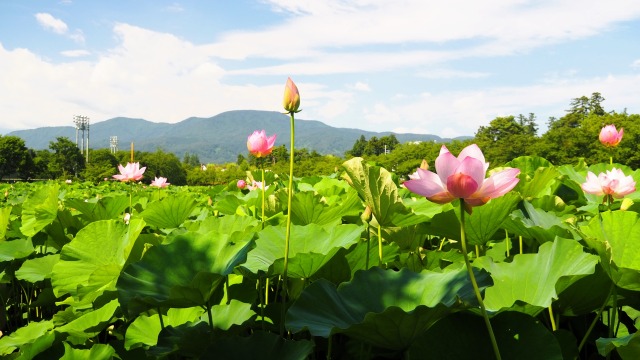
209	315
506	241
263	191
288	231
553	321
380	245
160	317
520	239
595	320
476	290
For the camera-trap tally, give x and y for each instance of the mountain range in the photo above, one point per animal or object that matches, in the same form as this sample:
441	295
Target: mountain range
218	139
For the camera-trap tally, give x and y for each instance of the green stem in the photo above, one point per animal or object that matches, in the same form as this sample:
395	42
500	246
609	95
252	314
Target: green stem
553	320
288	233
595	320
209	315
506	240
263	201
476	290
379	245
520	239
160	317
366	261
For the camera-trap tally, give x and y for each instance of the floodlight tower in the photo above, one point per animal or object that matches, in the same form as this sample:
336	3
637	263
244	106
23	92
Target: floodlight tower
113	144
82	124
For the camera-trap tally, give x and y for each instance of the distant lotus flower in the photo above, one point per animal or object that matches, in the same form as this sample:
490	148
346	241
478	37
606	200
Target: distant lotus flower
462	178
291	100
68	181
126	218
259	144
241	184
160	182
130	172
611	183
256	185
610	136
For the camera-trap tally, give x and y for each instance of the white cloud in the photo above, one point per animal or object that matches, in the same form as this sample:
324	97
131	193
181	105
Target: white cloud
174	8
50	23
449	74
636	64
360	86
75	53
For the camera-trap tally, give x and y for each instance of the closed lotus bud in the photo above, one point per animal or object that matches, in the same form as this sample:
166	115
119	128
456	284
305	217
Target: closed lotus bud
291	101
366	215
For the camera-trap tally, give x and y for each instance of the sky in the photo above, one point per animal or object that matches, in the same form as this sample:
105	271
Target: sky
418	66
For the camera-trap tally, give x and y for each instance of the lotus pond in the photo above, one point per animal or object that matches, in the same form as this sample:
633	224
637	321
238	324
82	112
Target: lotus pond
373	270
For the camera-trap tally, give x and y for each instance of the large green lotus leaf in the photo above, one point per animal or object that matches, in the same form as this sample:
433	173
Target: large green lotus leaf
259	345
225	224
183	273
533	278
229	204
90	323
533	223
27	334
425	208
170	212
464	336
109	207
583	296
528	165
101	248
15	249
310	247
97	352
226	315
628	347
38	269
5	213
485	220
358	258
308	207
616	237
40	209
145	328
383	307
379	192
543	182
186	341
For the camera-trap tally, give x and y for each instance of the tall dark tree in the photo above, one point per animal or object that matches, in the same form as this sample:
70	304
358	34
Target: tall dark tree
358	147
66	160
595	106
163	164
14	157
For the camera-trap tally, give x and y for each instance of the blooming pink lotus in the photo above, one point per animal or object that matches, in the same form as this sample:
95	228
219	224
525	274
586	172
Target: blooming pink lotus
241	184
610	183
130	172
462	177
256	185
160	182
610	136
259	144
291	101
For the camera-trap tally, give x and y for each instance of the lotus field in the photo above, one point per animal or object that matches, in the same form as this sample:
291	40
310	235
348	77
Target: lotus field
529	260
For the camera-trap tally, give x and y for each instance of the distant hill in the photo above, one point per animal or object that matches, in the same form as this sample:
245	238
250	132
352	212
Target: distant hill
217	139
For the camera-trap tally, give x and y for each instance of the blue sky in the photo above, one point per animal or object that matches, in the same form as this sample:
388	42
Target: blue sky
422	66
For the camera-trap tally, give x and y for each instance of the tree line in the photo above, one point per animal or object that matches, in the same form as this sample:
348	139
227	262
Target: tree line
568	140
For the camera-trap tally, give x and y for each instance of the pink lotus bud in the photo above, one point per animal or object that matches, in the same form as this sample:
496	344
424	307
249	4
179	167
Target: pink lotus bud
609	136
259	144
291	100
241	184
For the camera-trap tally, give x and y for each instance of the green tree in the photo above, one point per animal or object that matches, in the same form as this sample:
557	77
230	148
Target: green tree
358	147
163	164
103	164
66	160
507	138
15	158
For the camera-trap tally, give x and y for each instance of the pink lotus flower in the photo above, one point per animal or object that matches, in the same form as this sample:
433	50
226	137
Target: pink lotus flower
256	185
259	144
462	178
611	183
160	182
130	172
241	184
291	100
609	136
